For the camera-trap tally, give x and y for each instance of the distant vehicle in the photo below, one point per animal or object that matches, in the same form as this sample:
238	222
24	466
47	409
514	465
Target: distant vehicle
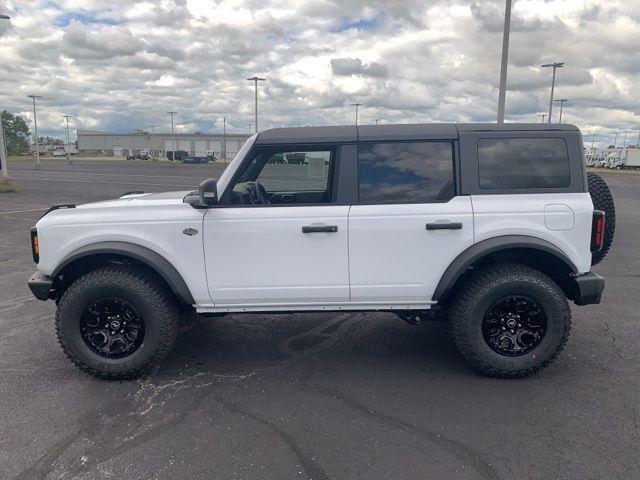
59	152
178	155
615	161
194	159
632	158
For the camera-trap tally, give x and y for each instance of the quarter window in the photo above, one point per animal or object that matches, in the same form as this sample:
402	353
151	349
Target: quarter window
405	172
520	163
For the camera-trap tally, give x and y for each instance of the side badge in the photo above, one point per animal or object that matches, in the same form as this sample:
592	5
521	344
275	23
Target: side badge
190	231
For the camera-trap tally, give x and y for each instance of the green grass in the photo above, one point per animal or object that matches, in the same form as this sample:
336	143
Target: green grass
7	186
612	171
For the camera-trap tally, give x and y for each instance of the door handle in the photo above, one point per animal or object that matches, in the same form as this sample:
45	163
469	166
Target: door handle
444	226
319	228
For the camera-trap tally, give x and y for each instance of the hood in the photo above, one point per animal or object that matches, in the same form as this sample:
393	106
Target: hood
140	199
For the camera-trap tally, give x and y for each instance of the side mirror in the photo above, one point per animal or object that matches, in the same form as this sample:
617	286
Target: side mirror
208	192
206	196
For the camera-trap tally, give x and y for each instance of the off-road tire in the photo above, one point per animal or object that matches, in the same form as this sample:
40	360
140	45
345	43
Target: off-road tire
144	292
479	291
602	200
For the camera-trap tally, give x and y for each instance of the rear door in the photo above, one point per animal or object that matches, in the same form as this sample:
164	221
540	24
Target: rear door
408	225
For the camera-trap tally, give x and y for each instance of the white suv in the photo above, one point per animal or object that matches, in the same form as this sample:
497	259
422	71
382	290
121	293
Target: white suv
493	225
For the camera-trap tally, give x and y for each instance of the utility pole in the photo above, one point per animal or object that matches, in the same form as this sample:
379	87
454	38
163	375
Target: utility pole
173	140
356	105
505	59
35	125
249	126
3	155
624	143
615	140
224	140
561	100
3	145
66	148
377	120
543	115
256	80
152	127
555	66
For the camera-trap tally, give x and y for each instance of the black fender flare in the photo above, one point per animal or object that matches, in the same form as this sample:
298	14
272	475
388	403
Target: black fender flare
486	247
144	255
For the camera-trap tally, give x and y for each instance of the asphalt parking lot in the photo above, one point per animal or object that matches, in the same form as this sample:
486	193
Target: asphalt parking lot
333	395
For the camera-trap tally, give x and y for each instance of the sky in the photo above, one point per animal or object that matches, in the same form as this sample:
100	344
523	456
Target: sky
122	64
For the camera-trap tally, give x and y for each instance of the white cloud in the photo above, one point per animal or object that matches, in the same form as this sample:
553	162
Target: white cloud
122	64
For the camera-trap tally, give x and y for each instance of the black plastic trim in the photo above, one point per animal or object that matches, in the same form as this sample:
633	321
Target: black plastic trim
40	285
475	252
142	254
589	289
57	207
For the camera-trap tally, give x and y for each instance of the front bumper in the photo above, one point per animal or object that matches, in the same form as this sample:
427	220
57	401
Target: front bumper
589	288
41	285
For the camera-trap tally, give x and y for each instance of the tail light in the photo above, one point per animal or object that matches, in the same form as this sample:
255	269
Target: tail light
597	230
35	248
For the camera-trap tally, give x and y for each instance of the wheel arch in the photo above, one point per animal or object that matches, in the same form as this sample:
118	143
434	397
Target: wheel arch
92	255
538	253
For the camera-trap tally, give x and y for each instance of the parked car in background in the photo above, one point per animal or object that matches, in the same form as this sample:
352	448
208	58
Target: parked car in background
195	159
177	155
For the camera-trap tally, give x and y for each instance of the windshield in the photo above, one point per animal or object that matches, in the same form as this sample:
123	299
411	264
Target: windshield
224	179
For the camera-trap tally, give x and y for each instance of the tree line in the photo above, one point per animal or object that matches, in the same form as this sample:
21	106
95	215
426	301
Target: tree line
17	133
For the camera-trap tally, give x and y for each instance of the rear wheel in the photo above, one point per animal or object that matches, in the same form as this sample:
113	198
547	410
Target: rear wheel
117	322
602	200
509	320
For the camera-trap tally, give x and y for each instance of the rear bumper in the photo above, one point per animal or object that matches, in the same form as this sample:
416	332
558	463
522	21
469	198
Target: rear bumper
41	285
589	288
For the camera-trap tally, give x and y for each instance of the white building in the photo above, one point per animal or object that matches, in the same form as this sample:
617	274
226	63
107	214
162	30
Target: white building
121	144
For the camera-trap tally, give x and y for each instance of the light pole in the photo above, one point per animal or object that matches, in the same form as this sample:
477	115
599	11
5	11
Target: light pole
624	142
505	58
35	125
66	148
152	127
224	140
555	66
615	140
561	100
377	120
256	80
3	146
173	140
249	126
543	115
356	105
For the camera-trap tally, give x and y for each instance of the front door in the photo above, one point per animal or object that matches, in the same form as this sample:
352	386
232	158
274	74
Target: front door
278	240
408	225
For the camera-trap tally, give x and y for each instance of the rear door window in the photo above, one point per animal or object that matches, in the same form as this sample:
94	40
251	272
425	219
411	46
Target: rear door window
405	172
523	163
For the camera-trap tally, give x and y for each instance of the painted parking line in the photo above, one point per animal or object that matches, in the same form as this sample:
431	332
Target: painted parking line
23	211
106	173
102	182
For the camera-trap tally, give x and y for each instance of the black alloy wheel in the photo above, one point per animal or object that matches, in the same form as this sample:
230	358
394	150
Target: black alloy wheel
514	325
112	328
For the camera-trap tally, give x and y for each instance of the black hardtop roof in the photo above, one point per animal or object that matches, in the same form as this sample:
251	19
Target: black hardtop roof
415	131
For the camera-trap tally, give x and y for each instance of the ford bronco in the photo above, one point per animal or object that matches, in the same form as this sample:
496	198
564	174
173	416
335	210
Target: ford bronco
492	228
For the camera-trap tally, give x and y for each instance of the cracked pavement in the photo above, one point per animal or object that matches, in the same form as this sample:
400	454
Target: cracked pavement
321	396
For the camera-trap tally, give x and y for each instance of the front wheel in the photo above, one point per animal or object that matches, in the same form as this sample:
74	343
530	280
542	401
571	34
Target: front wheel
509	320
117	322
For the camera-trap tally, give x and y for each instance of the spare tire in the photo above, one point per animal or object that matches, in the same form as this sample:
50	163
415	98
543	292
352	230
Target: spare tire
602	200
